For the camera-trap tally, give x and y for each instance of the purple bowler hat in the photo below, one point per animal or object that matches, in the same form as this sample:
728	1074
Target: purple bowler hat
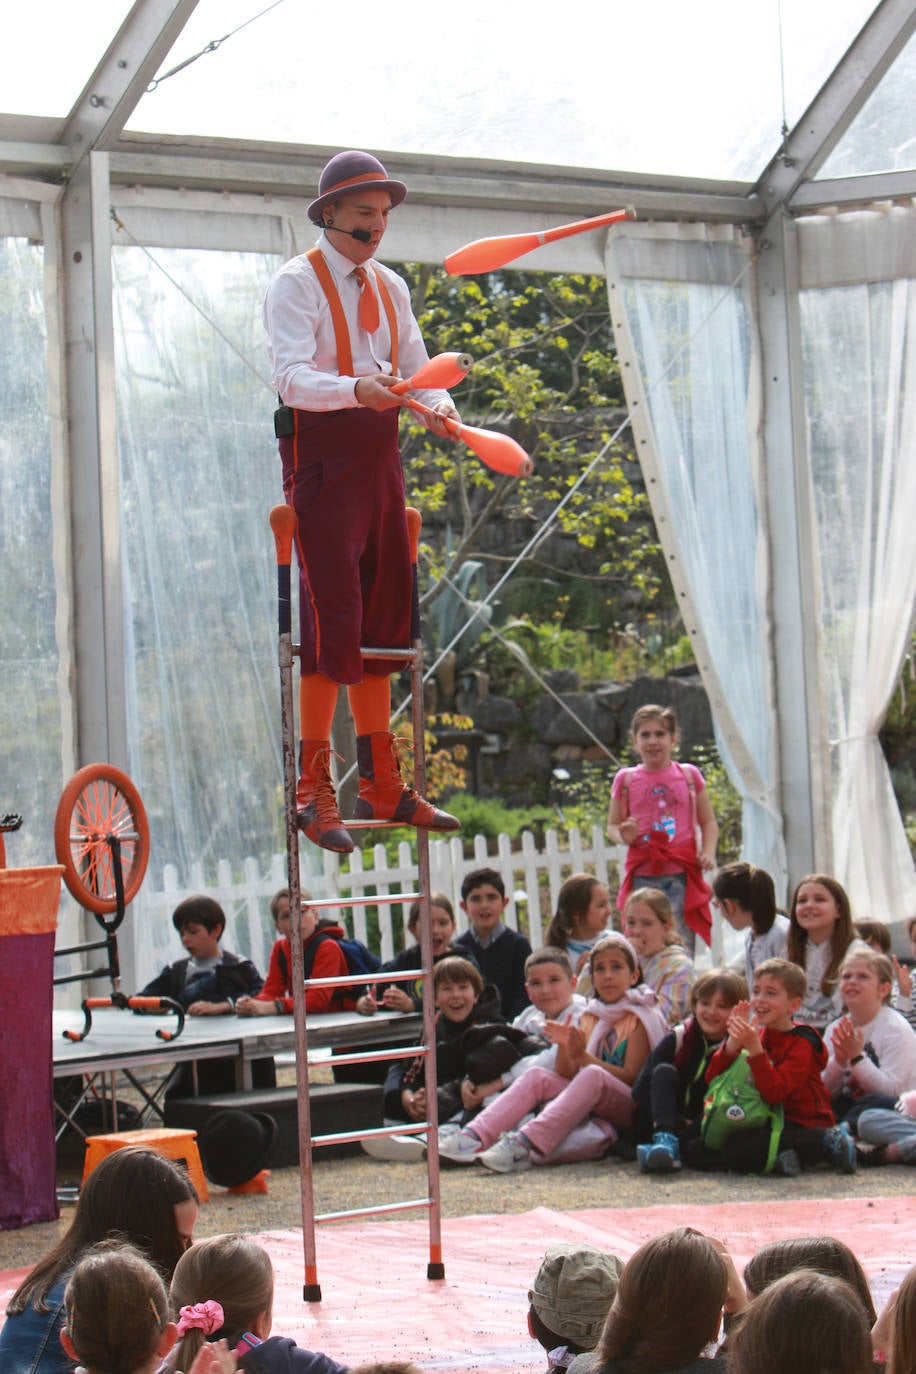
353	171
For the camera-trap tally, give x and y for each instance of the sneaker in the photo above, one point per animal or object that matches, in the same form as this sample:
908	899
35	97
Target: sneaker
461	1147
403	1149
840	1149
661	1156
509	1155
787	1164
871	1156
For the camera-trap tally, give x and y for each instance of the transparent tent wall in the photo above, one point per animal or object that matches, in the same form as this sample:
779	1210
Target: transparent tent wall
199	473
30	711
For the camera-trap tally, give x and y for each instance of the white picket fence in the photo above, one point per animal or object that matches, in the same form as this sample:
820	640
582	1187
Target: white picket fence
532	876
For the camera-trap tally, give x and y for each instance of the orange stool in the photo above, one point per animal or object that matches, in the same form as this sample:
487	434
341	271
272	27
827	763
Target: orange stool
174	1144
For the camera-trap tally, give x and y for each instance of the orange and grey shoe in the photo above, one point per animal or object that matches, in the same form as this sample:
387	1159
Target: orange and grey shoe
382	793
317	815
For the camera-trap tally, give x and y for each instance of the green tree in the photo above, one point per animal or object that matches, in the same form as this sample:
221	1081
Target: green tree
545	372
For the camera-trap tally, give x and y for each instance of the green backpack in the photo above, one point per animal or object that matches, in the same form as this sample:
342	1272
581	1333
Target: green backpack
733	1103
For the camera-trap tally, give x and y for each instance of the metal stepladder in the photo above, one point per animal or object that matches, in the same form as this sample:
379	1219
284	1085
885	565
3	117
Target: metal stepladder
283	525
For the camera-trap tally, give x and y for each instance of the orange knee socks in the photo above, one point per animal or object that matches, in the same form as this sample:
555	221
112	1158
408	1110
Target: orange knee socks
317	699
370	702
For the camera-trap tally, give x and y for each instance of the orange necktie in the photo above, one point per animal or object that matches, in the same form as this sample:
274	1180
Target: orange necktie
368	303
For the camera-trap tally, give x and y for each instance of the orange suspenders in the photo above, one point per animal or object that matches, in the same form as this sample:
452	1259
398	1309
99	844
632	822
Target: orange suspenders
339	319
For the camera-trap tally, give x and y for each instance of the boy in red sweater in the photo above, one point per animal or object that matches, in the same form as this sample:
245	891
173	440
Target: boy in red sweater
276	996
786	1061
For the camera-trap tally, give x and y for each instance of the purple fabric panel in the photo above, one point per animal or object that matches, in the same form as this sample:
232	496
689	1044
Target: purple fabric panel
27	1150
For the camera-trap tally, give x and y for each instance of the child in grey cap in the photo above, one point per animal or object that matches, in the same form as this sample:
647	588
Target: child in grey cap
569	1301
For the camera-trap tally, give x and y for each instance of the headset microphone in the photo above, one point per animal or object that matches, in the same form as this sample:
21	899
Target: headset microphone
361	235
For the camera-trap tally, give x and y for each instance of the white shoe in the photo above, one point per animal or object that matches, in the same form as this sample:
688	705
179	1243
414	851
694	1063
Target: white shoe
460	1147
508	1156
406	1149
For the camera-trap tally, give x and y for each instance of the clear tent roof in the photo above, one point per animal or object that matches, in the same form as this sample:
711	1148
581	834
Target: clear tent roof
660	88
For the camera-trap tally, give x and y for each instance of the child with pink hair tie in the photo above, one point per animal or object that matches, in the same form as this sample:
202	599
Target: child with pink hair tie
222	1291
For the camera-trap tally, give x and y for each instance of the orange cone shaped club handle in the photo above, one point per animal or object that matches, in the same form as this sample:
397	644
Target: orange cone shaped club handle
485	255
283	524
445	369
414	525
498	451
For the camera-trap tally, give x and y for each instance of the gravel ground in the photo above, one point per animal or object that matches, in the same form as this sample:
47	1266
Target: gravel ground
341	1184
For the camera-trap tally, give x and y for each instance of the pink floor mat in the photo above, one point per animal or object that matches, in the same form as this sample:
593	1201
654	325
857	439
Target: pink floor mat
378	1304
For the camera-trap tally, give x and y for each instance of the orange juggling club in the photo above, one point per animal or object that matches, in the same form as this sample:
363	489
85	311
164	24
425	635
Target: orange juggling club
498	451
485	255
446	369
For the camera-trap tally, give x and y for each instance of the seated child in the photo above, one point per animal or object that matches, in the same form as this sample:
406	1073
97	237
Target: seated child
473	1045
746	897
669	1305
671	1086
587	1096
803	1321
209	982
320	949
648	924
550	983
823	1254
872	1048
442	929
656	810
903	994
582	916
819	938
786	1062
498	952
569	1301
116	1312
223	1290
891	1131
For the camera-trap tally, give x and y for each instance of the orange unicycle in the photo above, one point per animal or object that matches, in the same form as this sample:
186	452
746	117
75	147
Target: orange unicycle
101	836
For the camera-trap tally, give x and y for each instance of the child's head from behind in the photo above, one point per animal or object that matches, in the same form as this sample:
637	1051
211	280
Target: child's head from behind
746	896
457	984
200	921
441	922
866	983
654	731
668	1304
549	980
875	934
583	910
571	1296
803	1323
648	922
713	996
613	967
778	991
483	897
231	1271
903	1328
116	1312
823	1254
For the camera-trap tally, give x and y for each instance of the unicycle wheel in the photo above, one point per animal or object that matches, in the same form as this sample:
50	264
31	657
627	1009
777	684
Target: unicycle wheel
100	805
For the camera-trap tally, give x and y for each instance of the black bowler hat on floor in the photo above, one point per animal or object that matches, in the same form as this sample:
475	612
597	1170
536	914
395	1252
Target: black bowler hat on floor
235	1145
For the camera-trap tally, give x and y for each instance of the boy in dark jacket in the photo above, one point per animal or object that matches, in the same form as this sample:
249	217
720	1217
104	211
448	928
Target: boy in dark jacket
786	1061
498	951
209	982
473	1045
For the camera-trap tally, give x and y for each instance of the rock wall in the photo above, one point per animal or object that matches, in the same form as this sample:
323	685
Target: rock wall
525	747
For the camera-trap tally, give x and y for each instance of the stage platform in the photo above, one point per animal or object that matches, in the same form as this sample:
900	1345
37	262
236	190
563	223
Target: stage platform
377	1303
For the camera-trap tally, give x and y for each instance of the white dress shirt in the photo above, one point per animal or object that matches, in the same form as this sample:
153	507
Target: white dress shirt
301	344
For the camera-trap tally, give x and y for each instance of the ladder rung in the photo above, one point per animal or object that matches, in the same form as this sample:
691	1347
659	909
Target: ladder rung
378	899
380	1056
343	1137
376	1211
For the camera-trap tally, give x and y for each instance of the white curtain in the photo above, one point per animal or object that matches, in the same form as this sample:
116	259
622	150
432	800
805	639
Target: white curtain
681	305
858	330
